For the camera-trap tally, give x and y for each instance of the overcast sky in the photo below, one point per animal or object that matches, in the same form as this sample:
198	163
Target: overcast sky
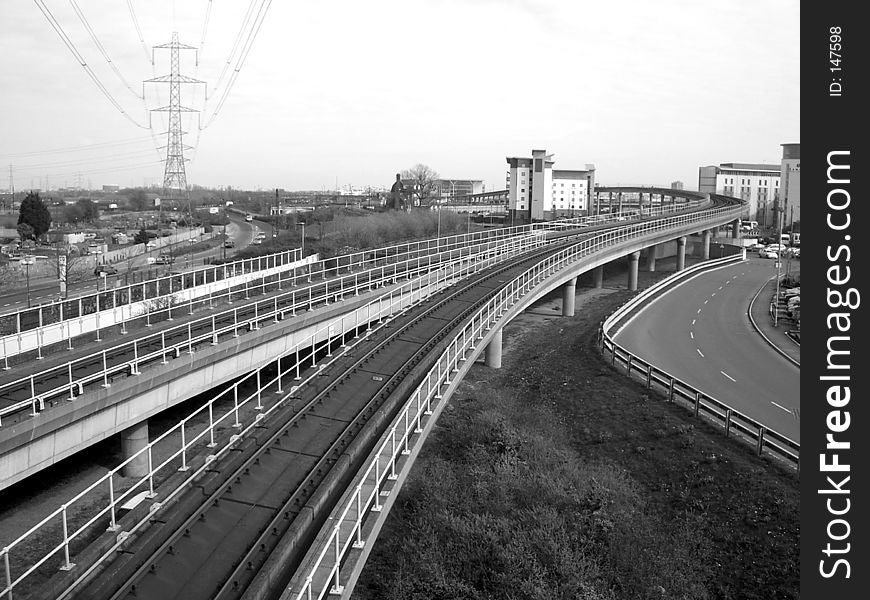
353	91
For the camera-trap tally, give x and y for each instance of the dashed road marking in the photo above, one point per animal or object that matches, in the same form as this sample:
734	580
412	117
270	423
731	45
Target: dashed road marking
693	321
699	352
713	294
728	376
699	310
788	410
692	335
720	287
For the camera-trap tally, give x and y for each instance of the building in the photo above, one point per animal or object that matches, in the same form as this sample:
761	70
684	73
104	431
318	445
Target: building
677	185
455	188
790	176
111	187
757	184
537	191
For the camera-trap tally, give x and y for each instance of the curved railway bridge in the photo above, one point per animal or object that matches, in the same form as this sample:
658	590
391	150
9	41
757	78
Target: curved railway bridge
282	494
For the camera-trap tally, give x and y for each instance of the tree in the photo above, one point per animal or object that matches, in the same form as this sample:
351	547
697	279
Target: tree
423	181
89	208
25	232
33	212
72	213
141	237
138	199
69	264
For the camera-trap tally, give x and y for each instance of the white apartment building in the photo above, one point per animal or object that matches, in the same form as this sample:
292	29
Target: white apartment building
757	184
537	191
791	183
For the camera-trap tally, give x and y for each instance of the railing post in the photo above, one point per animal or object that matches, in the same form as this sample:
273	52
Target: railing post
671	390
727	422
697	403
67	565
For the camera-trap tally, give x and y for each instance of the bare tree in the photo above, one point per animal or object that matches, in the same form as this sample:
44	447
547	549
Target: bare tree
423	181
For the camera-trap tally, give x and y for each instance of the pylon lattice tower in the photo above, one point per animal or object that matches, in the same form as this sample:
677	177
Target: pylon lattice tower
174	175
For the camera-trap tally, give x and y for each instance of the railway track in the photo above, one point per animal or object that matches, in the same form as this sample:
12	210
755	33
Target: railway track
280	483
64	381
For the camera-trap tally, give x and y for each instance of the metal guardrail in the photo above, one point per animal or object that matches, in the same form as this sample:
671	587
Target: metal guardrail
343	285
273	308
161	290
321	574
379	309
732	420
397	300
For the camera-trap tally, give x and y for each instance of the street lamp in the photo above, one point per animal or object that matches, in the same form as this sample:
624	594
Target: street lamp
27	261
302	251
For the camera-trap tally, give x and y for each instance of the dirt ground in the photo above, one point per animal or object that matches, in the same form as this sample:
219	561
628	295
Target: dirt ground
556	477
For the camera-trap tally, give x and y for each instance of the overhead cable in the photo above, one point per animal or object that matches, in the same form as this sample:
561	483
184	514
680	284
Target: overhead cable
68	42
102	49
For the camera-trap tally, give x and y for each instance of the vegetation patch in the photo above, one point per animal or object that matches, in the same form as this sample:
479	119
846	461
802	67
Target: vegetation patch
556	477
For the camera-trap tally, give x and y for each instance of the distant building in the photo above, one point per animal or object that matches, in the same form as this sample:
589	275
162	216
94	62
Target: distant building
757	184
455	188
677	185
790	174
537	191
111	187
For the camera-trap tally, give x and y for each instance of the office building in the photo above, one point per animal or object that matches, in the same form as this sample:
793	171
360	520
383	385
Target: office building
790	175
537	191
757	184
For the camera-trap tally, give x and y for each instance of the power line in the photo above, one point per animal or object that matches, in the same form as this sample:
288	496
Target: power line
139	31
109	169
79	147
249	42
65	39
86	160
244	26
102	49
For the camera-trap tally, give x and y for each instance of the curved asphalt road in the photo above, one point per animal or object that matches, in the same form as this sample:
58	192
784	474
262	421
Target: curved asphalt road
700	333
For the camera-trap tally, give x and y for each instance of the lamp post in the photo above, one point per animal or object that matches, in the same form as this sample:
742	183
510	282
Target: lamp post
302	252
27	261
779	253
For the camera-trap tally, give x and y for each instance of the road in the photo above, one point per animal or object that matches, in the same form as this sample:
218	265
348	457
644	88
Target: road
46	289
700	333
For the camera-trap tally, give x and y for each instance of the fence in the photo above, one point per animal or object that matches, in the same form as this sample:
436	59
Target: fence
386	304
329	557
732	421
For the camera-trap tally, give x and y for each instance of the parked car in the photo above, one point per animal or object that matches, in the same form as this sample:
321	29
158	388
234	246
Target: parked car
768	254
107	269
230	244
775	248
756	247
257	241
164	259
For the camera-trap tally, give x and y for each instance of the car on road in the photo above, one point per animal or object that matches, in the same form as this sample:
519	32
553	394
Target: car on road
261	235
756	247
768	254
164	259
257	241
249	218
107	269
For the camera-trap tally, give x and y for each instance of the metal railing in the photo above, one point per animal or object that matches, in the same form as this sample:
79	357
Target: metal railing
321	571
274	307
264	310
397	300
732	420
42	322
305	353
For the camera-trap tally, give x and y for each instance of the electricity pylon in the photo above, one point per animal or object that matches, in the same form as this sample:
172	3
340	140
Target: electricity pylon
174	176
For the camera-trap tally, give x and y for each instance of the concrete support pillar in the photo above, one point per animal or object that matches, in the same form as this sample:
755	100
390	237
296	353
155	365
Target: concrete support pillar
651	258
681	253
569	290
493	350
598	276
735	229
707	234
619	209
633	259
133	440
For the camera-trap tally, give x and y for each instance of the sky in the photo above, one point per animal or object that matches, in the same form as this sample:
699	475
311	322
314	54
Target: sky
348	92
